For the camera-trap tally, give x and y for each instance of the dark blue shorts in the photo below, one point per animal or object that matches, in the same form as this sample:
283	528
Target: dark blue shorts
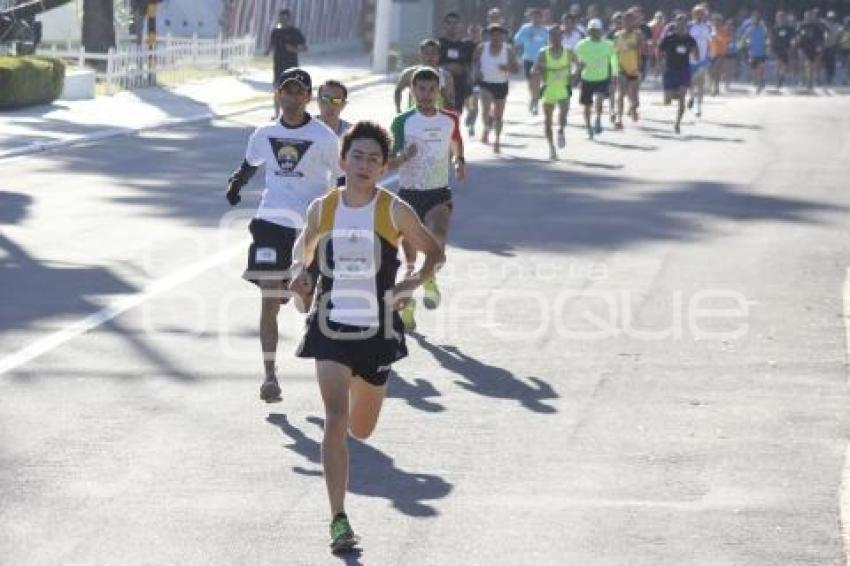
677	79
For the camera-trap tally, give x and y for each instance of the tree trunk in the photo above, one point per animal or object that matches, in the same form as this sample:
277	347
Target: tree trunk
98	25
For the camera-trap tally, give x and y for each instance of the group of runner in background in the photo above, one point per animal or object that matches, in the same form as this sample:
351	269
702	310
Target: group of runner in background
692	53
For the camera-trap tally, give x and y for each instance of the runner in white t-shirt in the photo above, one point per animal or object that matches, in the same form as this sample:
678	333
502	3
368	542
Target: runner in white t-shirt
571	34
700	29
301	159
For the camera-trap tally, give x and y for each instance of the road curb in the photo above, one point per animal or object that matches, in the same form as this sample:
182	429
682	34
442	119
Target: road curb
248	106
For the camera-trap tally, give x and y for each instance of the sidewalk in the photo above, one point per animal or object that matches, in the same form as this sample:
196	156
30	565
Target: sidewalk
66	122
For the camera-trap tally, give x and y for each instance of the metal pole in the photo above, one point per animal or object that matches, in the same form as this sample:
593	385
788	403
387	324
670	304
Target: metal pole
380	53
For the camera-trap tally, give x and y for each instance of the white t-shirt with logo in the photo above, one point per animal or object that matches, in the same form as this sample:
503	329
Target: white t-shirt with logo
301	164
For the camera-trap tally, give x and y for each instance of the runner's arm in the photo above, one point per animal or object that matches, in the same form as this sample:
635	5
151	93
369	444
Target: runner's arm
304	248
513	65
399	155
615	63
476	64
240	177
449	90
539	65
456	149
415	233
403	83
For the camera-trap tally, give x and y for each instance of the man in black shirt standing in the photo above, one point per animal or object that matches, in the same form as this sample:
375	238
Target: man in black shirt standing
676	50
456	58
286	42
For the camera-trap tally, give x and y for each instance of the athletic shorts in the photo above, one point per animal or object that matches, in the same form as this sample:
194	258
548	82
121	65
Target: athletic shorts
731	56
756	61
589	88
560	95
270	253
368	352
626	78
499	91
422	201
527	66
677	79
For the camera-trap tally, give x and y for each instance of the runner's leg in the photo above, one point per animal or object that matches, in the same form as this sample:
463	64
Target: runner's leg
486	115
272	293
548	111
366	402
499	112
334	380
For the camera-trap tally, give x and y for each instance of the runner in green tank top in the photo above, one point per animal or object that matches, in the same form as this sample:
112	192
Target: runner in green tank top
554	64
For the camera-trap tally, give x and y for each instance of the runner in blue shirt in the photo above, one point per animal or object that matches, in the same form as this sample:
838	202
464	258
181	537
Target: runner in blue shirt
755	37
531	38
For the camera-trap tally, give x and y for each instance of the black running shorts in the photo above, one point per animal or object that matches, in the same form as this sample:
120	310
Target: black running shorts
270	252
589	88
368	352
499	91
423	201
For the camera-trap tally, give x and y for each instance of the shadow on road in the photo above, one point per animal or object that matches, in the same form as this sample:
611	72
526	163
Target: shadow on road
416	394
34	289
372	473
504	209
490	381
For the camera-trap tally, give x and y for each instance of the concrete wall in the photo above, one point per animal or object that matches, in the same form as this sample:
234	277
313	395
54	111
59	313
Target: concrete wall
183	18
412	21
63	24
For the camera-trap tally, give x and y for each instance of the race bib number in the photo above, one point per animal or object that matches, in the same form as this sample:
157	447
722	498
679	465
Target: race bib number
265	255
681	50
453	54
354	254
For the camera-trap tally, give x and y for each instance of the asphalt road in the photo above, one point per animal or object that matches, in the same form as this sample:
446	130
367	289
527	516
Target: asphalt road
640	359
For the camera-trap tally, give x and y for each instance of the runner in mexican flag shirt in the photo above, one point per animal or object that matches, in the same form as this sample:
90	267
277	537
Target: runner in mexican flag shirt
424	139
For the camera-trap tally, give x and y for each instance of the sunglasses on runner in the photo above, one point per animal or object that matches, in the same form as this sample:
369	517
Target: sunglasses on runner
334	100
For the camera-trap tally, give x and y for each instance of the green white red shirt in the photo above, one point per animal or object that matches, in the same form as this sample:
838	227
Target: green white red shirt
432	135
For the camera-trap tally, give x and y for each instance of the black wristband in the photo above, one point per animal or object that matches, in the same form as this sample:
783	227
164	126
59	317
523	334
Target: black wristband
241	176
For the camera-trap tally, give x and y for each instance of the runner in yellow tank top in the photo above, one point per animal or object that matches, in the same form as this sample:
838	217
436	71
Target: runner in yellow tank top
554	65
629	44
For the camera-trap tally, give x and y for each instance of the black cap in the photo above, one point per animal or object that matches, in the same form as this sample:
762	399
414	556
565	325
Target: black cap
296	74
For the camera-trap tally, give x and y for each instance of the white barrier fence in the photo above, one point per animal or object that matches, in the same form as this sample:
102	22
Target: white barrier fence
134	66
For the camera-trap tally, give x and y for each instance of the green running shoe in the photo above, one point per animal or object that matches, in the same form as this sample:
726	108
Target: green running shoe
407	316
431	294
343	538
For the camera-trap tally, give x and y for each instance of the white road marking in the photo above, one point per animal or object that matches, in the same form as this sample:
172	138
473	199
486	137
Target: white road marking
116	308
844	493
